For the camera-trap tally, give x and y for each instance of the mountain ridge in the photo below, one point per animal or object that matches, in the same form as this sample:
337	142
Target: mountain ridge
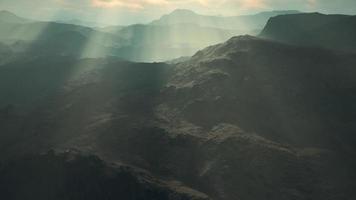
9	17
243	22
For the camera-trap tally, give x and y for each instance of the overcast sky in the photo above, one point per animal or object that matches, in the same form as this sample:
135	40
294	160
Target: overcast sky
141	11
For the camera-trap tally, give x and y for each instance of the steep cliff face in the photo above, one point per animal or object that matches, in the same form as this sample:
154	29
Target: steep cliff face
313	29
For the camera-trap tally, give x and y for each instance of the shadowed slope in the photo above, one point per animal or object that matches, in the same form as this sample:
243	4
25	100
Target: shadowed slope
296	94
71	175
314	29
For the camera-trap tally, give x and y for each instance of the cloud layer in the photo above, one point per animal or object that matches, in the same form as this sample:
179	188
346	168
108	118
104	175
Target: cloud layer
215	6
140	4
141	11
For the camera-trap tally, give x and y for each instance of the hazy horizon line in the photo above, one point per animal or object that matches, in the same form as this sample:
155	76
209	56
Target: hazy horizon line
102	23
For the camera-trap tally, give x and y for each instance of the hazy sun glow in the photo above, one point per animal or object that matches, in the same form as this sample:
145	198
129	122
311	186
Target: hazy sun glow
144	11
135	4
141	4
253	4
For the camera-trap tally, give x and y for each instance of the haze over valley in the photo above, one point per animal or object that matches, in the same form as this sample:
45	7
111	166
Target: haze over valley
177	34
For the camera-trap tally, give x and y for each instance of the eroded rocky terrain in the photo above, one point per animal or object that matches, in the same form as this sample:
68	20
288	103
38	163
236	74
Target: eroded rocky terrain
246	119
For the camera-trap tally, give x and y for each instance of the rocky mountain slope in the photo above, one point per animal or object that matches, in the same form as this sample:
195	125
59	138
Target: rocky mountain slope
256	102
249	80
246	119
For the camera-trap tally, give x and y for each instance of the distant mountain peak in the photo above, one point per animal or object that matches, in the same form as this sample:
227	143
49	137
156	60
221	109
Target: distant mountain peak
178	16
7	16
183	12
5	12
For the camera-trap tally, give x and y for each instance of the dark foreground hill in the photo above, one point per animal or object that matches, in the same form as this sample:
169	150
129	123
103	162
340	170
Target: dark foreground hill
71	175
314	29
293	93
247	119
